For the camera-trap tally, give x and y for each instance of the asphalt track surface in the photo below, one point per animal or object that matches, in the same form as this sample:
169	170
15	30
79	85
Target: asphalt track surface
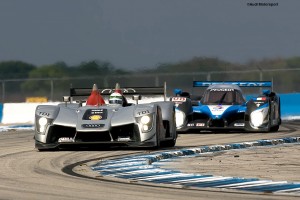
26	173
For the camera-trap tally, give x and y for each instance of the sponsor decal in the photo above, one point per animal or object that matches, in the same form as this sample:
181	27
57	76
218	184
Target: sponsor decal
44	114
222	89
180	99
124	90
92	125
95	117
124	139
261	98
144	112
196	125
200	124
239	124
98	111
66	139
241	84
218	110
259	103
95	114
36	99
198	111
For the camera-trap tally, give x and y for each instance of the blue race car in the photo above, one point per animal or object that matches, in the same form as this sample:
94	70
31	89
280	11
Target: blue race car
222	107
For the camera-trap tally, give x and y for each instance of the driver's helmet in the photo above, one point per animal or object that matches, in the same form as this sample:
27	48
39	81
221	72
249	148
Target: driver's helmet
115	98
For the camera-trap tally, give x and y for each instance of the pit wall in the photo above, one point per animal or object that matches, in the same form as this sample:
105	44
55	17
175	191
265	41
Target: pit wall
12	113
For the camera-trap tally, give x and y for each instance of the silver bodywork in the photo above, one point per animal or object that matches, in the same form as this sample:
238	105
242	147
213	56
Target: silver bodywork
146	125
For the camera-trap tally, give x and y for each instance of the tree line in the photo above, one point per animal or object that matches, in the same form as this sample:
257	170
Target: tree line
23	70
20	79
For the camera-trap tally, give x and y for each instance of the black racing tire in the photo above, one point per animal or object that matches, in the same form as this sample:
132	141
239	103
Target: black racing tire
274	128
268	129
158	143
183	132
169	143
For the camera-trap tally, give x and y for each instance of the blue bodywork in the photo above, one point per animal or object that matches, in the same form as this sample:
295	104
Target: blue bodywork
234	109
223	106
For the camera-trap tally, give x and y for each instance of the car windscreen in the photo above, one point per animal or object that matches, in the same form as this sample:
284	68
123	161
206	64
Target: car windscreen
222	97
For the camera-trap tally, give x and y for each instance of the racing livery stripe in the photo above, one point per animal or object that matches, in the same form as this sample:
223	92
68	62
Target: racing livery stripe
147	168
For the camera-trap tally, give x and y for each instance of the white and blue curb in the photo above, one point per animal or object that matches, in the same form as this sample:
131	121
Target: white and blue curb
147	168
16	127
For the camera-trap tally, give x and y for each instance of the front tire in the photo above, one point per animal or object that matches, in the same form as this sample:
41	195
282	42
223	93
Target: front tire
158	130
169	143
274	128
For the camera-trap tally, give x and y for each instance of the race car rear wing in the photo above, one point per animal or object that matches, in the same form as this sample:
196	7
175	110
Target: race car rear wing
268	84
161	90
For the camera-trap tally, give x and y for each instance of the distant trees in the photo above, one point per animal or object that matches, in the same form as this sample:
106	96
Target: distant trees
293	62
196	64
15	69
57	70
19	69
59	76
95	68
64	73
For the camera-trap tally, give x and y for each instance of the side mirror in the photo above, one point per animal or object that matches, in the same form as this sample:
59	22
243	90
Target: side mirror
266	92
136	98
177	92
66	98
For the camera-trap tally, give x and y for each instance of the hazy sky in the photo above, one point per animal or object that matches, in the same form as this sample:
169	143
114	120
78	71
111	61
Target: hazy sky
143	33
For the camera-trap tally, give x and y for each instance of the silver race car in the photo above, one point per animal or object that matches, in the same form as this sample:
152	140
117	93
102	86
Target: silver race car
96	123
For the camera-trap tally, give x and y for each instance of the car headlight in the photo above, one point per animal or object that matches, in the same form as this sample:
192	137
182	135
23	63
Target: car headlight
146	122
145	119
180	118
257	118
42	122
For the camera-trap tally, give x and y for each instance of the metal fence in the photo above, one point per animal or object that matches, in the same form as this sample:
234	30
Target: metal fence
18	90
